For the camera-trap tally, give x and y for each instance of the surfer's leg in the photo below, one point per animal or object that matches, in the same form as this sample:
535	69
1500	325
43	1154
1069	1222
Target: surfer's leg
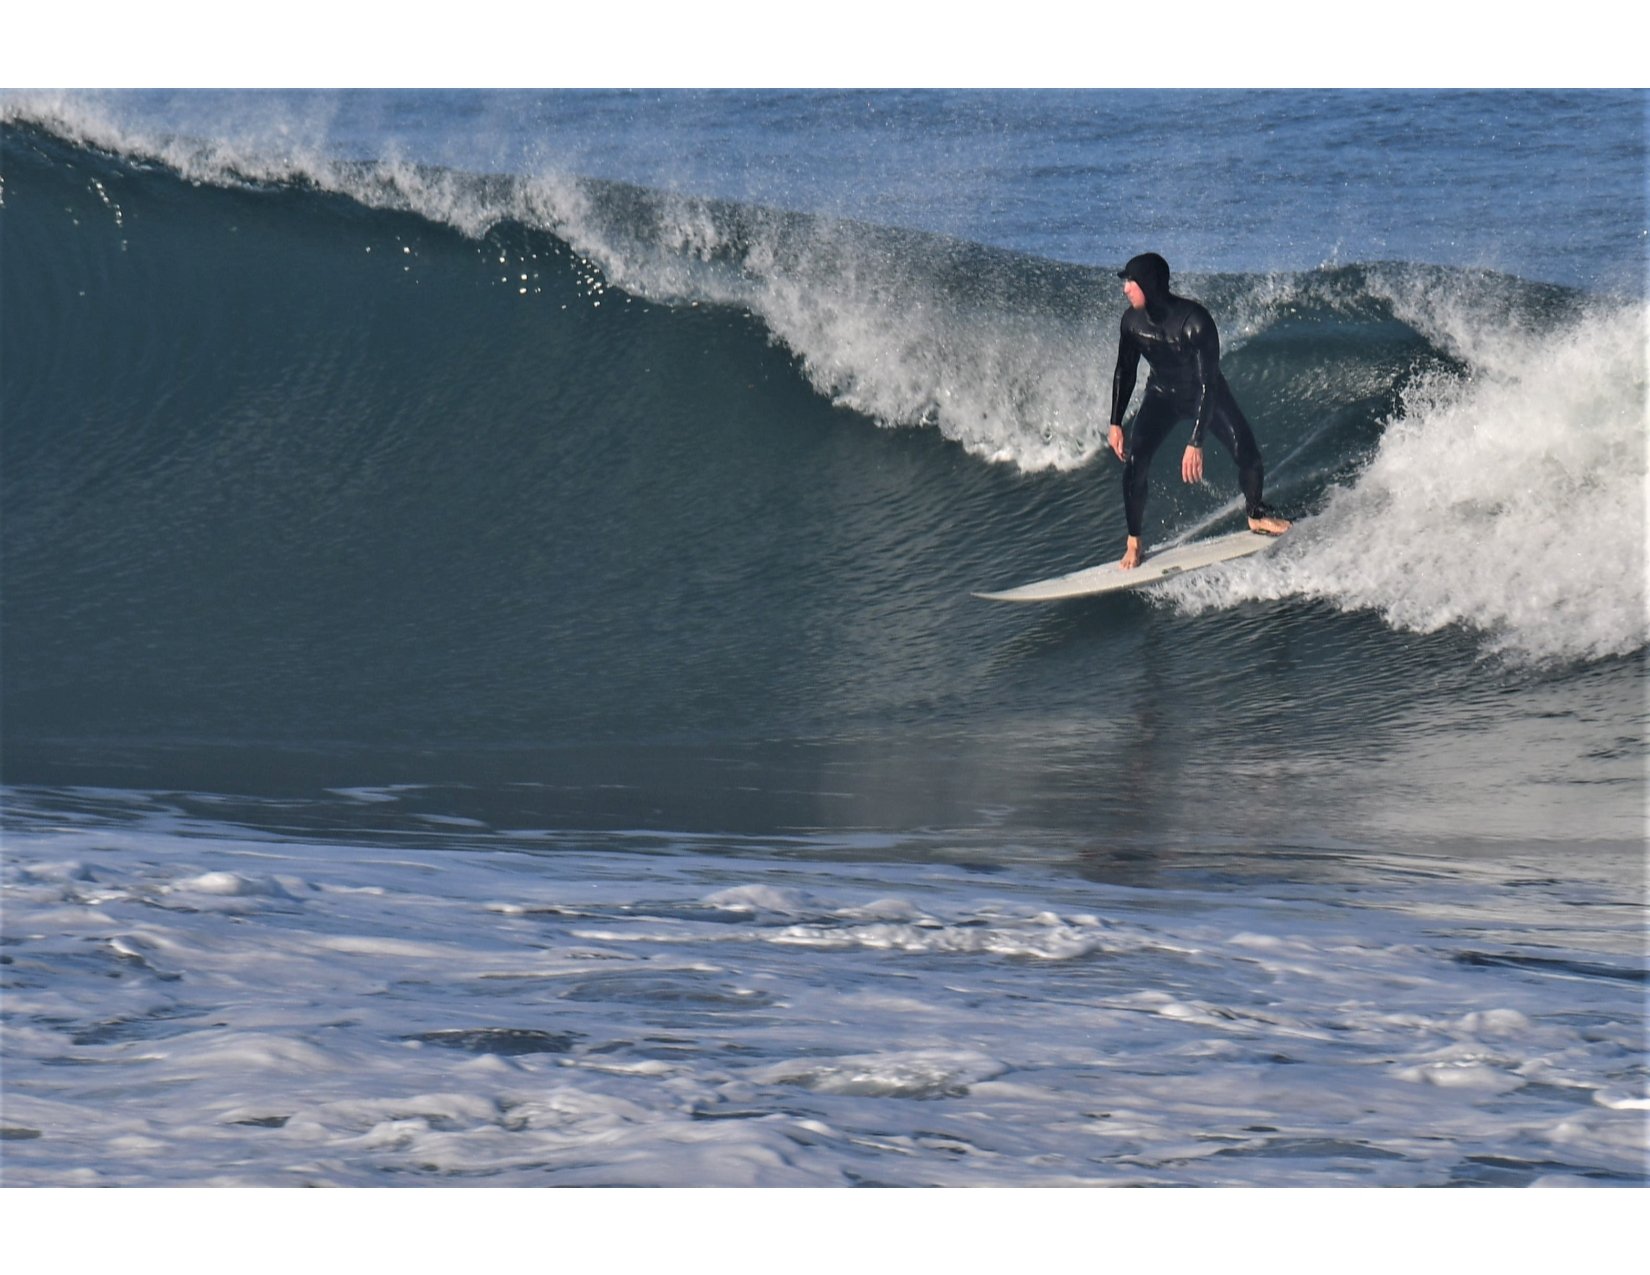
1152	423
1232	429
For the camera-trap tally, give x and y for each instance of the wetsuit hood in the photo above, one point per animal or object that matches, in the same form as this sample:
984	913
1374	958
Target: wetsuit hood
1151	272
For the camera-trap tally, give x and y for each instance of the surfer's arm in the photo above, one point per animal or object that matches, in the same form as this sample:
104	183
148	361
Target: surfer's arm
1122	384
1205	350
1122	380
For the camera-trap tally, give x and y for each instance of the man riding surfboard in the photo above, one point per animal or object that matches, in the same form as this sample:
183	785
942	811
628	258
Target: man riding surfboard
1177	338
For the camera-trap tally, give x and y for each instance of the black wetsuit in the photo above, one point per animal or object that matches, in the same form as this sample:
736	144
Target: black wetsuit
1179	342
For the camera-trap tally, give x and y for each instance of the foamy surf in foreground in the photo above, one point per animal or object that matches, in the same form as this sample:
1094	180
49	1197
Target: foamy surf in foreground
202	1004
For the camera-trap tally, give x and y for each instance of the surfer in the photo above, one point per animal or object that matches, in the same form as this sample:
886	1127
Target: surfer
1178	338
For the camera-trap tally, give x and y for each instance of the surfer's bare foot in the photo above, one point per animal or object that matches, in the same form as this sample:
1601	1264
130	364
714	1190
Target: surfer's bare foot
1131	555
1270	525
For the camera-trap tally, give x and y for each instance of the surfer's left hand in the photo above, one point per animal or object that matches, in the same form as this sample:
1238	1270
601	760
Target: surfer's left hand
1191	465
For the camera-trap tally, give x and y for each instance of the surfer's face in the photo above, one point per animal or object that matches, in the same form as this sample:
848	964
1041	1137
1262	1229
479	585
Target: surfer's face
1136	297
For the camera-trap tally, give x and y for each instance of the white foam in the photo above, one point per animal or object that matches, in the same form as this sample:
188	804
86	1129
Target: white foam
233	883
903	1074
770	1019
1622	1100
1510	501
762	898
1046	939
1464	1074
386	794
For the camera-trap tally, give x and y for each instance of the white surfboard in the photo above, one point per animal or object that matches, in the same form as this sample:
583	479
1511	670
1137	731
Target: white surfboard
1109	577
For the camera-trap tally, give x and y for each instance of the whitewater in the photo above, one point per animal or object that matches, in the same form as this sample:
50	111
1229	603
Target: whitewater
560	1010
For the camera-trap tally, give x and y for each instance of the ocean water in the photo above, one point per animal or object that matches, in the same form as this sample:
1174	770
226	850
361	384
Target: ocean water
491	692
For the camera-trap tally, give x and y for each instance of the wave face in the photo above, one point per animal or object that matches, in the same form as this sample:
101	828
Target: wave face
321	450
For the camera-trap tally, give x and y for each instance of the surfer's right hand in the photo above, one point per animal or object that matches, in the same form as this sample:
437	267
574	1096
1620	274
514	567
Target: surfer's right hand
1117	440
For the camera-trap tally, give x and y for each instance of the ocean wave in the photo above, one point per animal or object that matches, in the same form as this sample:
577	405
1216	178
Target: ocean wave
335	416
1005	354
